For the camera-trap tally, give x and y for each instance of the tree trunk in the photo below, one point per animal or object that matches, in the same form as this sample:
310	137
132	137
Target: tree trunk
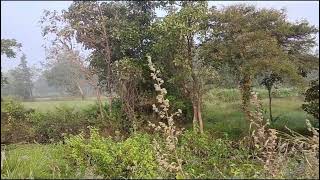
195	120
245	88
270	98
199	115
99	102
107	52
110	103
31	95
81	92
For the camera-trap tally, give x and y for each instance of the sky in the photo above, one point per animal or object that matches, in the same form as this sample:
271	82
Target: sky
20	20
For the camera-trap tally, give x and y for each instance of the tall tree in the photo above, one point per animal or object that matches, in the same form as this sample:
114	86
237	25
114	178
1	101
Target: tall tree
64	35
62	73
8	47
22	79
255	40
180	38
120	31
90	21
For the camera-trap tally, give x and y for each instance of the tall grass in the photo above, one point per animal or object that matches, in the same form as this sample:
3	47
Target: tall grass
44	106
36	161
222	111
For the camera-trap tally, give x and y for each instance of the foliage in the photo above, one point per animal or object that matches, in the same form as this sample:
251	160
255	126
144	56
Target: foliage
132	158
51	126
312	99
36	161
22	80
15	123
62	73
166	155
210	157
7	46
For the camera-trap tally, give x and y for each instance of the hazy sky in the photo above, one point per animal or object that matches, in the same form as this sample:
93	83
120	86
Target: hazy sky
19	20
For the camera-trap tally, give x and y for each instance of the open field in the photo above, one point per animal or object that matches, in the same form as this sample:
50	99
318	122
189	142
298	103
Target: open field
228	117
47	104
48	161
35	161
222	110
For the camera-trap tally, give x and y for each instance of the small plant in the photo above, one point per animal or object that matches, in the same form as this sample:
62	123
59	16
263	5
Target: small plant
304	150
167	155
3	156
278	150
264	138
16	125
312	100
132	158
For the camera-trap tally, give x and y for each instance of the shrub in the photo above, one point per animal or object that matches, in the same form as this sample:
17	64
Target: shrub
207	157
312	100
52	125
132	158
36	161
15	123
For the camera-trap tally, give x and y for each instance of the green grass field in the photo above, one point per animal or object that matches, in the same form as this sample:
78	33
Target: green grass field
222	114
35	161
222	110
228	117
45	104
50	105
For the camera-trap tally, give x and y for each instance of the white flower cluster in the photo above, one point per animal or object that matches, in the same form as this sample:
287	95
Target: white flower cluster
170	132
164	103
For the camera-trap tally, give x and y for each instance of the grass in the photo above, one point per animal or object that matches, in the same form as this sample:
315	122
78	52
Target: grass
50	105
35	161
47	104
222	112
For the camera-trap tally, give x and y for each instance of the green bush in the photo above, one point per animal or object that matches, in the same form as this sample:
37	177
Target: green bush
30	161
13	108
132	158
312	100
183	104
207	157
16	125
52	125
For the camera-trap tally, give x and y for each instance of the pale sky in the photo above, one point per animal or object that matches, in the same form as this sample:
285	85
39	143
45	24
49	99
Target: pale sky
19	20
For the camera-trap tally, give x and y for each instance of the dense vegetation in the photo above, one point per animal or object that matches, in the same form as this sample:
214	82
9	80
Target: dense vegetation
203	92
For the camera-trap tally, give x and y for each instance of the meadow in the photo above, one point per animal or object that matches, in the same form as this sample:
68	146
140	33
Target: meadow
222	109
222	116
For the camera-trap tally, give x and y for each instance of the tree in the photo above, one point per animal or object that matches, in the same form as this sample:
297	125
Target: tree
268	81
22	79
311	105
180	37
120	31
62	73
254	41
89	21
8	49
64	38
